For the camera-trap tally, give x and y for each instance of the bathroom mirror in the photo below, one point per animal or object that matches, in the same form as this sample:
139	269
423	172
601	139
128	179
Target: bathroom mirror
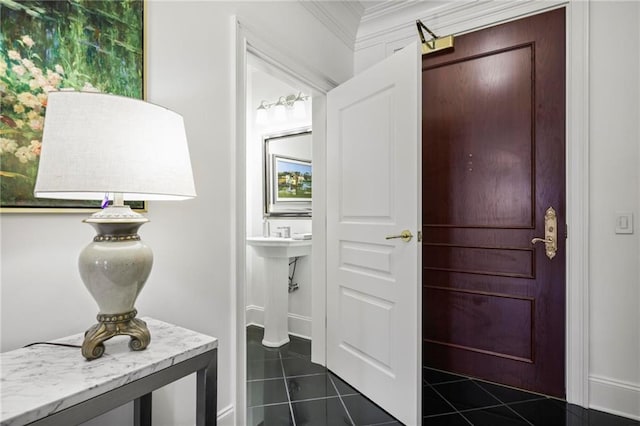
288	174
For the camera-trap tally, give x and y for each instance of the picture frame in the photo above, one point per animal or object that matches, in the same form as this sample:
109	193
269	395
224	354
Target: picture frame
288	174
292	179
60	45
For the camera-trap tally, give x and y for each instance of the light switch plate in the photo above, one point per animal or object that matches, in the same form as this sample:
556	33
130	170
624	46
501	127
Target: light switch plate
624	223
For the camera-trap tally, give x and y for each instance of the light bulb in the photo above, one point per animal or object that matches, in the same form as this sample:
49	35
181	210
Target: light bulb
261	114
279	110
299	109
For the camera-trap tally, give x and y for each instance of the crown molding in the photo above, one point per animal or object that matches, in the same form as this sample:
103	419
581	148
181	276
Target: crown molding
442	17
360	25
388	7
380	22
341	18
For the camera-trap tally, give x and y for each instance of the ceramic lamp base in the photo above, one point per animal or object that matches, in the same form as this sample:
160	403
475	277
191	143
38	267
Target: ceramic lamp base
113	325
114	267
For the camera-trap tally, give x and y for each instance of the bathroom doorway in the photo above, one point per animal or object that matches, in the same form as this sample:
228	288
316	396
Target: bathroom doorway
278	136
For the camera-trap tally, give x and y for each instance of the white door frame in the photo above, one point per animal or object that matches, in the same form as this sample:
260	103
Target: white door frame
249	40
577	174
577	170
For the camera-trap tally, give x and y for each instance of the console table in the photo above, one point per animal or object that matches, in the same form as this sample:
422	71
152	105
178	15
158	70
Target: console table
52	385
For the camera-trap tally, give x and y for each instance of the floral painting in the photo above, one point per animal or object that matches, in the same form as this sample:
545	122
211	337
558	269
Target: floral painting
88	45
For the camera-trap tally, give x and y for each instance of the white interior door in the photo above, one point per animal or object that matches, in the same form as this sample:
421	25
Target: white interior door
373	191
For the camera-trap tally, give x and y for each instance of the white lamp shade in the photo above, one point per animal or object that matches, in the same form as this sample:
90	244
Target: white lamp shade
94	143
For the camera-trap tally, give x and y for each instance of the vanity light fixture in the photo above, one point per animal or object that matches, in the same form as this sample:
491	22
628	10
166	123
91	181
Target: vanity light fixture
294	103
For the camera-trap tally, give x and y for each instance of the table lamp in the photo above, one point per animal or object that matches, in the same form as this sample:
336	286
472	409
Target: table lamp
97	146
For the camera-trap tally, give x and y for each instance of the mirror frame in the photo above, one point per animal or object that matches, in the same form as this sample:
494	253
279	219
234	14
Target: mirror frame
272	206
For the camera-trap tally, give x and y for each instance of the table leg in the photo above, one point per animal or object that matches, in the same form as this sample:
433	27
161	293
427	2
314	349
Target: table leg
206	393
142	410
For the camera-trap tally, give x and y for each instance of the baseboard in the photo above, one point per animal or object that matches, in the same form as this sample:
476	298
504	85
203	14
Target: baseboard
614	396
255	315
299	325
225	417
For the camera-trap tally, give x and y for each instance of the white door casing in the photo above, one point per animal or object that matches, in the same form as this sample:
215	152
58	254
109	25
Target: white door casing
373	186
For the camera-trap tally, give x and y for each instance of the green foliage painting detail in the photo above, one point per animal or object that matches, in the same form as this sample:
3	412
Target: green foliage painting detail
294	185
86	45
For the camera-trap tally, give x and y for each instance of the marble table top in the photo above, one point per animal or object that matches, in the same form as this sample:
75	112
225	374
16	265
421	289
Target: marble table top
41	380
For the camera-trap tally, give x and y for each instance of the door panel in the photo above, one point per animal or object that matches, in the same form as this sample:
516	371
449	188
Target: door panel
494	324
373	187
483	162
493	162
365	185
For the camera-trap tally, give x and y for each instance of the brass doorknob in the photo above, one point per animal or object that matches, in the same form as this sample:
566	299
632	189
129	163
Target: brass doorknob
405	236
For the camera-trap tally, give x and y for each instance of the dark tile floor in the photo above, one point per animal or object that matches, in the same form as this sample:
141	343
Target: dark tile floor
285	388
449	399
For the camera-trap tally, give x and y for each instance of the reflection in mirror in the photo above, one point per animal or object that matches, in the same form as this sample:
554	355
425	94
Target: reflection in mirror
288	174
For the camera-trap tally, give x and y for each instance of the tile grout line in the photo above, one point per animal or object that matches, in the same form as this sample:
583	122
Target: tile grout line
447	401
271	404
263	380
340	398
504	403
318	398
306	375
518	414
286	387
462	379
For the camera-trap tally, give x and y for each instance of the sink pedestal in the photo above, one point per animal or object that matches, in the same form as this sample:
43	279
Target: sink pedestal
276	253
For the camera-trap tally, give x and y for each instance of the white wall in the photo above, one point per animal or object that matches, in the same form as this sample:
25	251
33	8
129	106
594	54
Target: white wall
614	135
615	186
191	69
268	85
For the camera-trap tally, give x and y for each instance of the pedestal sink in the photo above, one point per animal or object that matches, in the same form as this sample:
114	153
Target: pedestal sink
276	253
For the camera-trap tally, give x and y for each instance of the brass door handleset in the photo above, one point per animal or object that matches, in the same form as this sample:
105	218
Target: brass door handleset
550	239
